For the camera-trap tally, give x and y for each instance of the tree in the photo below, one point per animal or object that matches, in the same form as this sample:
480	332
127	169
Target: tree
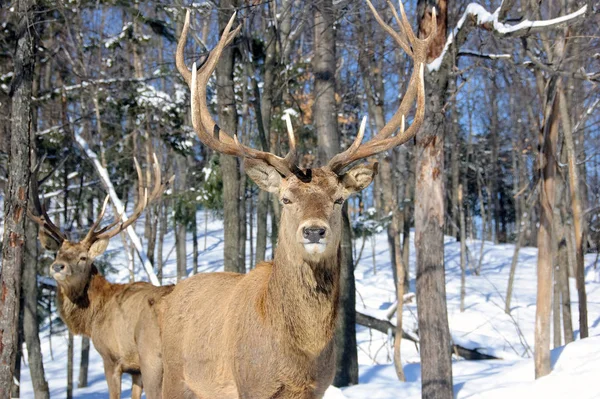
30	309
436	364
429	209
17	191
228	118
325	121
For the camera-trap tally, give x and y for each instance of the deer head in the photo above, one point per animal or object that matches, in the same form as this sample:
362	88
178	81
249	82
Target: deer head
72	266
312	199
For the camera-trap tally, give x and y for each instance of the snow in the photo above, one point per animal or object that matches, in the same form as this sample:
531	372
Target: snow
482	325
113	41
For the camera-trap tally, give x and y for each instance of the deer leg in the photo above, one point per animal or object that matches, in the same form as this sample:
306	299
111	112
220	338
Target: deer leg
136	386
172	385
113	379
152	376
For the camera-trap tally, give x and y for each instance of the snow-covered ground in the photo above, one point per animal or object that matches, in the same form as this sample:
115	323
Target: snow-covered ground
482	325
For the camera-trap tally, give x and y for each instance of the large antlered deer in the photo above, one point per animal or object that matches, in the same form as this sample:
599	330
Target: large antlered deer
119	318
269	333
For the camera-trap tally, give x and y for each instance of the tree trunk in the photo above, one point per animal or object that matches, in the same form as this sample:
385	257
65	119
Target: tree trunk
463	247
400	289
16	192
261	226
513	269
229	165
84	362
495	175
70	367
180	237
545	237
16	386
577	215
30	314
242	226
345	335
195	252
519	242
266	109
436	365
374	88
180	225
454	144
325	121
565	292
162	231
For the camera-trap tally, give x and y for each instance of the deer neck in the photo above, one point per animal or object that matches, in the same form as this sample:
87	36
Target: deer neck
302	297
78	305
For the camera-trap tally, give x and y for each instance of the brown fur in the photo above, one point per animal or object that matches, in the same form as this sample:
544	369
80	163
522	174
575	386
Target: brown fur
269	333
120	319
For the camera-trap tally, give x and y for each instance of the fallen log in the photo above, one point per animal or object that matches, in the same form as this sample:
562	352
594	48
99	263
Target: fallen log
385	326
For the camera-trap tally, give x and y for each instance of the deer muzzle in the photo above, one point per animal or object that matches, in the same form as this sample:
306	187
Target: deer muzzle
314	235
58	271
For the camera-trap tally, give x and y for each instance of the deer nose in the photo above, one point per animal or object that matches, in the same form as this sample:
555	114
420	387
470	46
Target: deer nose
58	267
314	233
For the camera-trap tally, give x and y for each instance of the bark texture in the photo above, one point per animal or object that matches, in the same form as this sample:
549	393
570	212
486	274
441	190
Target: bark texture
16	194
325	121
436	365
229	165
545	242
30	315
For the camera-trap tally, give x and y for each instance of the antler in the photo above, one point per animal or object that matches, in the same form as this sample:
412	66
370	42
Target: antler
417	50
44	220
143	200
206	128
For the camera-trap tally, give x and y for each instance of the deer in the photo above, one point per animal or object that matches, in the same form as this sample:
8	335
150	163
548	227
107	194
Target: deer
120	319
269	333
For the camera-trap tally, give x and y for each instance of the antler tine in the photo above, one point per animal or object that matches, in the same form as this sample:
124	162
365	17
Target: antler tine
399	39
179	54
142	192
92	231
142	203
417	50
159	187
43	220
290	158
206	128
93	234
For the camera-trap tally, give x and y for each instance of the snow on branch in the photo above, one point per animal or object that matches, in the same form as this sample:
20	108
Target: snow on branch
98	82
471	53
477	16
103	173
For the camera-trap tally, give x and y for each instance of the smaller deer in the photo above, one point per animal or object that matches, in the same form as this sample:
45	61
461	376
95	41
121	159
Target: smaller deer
119	318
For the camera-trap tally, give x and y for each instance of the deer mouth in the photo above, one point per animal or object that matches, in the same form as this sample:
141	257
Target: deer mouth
315	248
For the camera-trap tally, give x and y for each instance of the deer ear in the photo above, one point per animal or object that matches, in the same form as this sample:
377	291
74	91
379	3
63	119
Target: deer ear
97	248
359	177
264	175
48	242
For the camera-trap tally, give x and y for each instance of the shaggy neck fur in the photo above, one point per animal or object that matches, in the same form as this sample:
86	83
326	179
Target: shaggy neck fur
302	297
79	305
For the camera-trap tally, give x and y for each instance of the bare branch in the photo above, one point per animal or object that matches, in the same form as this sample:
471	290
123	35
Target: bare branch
537	63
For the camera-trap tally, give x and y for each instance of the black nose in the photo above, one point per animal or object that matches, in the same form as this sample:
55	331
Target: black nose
58	267
314	234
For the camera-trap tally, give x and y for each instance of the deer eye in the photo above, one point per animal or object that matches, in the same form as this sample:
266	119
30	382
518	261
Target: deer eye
339	201
286	200
82	258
